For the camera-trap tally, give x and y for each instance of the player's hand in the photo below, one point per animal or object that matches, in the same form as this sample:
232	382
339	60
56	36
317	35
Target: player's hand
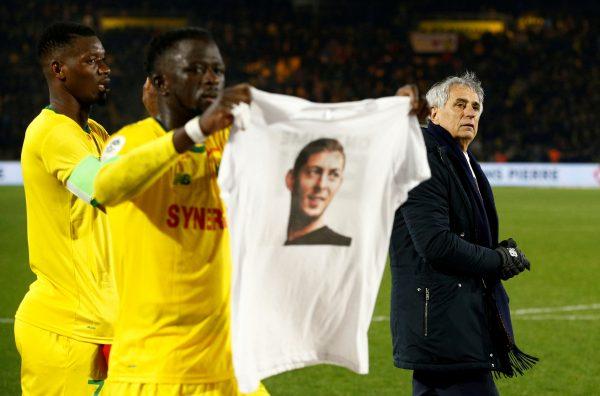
513	260
418	104
149	98
218	115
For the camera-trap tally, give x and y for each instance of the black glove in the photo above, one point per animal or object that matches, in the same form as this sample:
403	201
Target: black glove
513	260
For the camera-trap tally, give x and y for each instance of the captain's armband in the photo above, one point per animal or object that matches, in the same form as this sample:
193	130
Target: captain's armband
81	180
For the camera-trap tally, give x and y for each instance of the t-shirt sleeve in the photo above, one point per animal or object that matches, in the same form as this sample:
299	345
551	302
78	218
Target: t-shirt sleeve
414	167
63	149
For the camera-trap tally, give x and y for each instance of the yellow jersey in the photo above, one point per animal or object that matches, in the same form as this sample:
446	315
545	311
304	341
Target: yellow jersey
73	294
172	269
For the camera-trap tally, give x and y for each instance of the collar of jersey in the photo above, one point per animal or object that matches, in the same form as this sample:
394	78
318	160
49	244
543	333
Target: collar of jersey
196	149
86	127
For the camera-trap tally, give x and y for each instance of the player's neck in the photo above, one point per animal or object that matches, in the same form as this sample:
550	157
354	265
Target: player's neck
70	107
173	119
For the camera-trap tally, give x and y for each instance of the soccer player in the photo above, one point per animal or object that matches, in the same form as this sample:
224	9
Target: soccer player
69	309
170	238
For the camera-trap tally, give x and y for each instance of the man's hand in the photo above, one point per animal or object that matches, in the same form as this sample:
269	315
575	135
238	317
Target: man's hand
149	98
513	260
418	104
218	115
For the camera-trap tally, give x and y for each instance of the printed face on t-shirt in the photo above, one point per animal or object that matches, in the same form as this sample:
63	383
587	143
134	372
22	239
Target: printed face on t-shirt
317	182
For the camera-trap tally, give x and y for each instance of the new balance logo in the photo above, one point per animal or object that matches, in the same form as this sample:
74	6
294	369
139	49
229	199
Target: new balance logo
182	178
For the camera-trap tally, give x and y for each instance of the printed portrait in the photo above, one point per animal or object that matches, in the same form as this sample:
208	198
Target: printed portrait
313	182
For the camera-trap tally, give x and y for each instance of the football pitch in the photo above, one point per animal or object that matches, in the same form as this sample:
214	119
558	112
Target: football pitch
556	307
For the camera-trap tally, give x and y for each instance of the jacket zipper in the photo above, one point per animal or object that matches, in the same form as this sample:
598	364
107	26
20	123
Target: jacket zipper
426	310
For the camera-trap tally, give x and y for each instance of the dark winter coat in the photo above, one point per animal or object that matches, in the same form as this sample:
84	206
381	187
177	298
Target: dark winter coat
440	262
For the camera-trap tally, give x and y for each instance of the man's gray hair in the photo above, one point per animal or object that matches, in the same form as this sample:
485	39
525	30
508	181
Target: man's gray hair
437	96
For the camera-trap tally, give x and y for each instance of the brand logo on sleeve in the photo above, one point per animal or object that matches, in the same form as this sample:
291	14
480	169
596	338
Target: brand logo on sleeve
183	178
113	147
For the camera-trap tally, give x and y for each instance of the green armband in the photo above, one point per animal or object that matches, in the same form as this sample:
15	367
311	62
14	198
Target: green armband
81	180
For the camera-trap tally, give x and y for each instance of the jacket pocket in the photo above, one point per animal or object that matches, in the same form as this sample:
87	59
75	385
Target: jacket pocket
437	298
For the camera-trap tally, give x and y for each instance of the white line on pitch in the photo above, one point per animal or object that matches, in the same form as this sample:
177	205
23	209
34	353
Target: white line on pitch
567	308
7	320
559	317
380	319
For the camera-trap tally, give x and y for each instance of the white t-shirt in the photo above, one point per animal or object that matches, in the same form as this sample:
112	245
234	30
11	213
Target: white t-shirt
300	300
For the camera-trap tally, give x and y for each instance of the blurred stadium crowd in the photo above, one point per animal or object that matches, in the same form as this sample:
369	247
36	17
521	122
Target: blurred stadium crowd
542	81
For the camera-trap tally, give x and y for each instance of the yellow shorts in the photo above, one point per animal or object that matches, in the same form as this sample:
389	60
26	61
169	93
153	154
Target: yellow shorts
225	388
52	364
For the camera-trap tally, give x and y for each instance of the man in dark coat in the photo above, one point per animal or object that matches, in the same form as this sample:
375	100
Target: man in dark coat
449	312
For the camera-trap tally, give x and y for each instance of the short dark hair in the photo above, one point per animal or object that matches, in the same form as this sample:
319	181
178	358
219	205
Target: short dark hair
163	42
314	147
59	35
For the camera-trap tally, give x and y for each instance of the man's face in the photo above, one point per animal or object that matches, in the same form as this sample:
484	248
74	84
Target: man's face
84	70
460	114
317	182
194	74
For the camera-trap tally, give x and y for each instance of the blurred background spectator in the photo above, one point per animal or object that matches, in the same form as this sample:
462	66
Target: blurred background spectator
538	60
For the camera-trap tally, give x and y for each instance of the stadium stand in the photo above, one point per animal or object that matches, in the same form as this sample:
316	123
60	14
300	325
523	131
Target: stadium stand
541	72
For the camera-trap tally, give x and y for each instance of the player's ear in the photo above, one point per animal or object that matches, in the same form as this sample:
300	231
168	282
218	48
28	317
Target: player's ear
289	180
57	70
161	84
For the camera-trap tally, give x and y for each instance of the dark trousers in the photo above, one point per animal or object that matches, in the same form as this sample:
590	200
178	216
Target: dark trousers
456	383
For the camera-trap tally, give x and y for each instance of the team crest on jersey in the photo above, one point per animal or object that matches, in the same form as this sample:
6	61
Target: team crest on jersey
113	148
183	178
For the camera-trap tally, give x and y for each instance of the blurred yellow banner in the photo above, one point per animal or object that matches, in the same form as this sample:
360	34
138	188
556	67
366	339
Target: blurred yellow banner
107	23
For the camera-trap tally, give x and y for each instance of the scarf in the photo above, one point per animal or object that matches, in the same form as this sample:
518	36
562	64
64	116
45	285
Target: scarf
512	360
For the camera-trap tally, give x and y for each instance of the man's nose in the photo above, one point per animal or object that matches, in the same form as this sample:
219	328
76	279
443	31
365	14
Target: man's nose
321	183
471	112
210	77
324	182
104	68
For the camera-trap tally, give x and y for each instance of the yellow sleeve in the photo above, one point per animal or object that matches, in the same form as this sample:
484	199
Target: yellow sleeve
62	149
123	177
218	140
215	144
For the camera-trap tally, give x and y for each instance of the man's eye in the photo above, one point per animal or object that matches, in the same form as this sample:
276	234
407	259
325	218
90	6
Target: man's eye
314	171
92	61
200	69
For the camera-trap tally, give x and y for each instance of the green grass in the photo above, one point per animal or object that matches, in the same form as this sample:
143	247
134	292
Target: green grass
558	229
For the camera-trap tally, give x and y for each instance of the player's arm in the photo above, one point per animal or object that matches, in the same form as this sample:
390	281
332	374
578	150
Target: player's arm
63	151
122	177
